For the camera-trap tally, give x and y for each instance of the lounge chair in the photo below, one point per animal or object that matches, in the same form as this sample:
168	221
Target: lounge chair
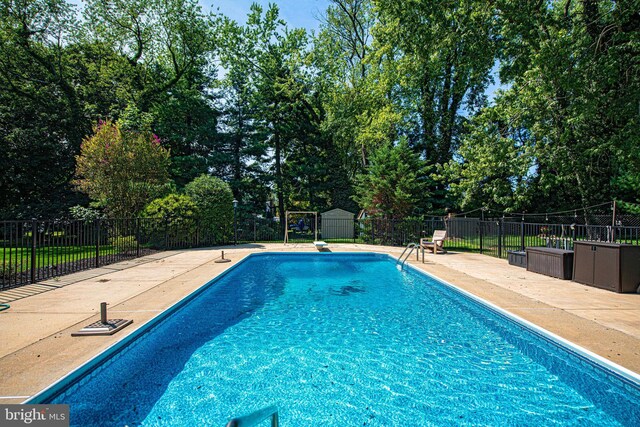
436	243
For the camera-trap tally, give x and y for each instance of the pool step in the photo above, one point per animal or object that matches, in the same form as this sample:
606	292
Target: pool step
256	417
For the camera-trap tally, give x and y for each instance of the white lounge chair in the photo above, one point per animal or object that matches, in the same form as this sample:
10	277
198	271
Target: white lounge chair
436	243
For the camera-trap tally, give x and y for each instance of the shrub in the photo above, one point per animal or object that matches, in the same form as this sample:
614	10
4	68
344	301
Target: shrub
85	214
179	215
121	169
123	243
215	203
179	210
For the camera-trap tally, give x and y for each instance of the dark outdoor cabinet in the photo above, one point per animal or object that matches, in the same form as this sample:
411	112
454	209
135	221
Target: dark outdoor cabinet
550	262
517	258
611	266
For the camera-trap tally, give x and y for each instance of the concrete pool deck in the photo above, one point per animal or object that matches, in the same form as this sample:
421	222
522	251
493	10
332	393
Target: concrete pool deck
37	348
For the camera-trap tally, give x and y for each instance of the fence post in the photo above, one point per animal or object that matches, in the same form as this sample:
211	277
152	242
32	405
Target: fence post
97	242
522	234
613	223
166	233
393	240
354	225
500	238
373	233
34	230
137	237
481	236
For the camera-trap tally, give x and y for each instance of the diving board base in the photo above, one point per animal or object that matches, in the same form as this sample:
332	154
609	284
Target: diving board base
320	245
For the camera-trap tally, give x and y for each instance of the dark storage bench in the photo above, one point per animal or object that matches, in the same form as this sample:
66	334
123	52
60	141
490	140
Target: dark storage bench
550	262
517	258
611	266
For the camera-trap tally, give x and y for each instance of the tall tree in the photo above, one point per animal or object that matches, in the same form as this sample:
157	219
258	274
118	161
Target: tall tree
282	109
394	182
575	91
41	116
442	53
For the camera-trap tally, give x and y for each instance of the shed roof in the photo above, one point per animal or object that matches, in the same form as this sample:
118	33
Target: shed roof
337	212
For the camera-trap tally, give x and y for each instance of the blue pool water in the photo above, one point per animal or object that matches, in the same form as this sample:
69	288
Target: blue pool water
345	340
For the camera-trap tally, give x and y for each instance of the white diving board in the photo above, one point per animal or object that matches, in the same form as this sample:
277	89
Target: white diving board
319	244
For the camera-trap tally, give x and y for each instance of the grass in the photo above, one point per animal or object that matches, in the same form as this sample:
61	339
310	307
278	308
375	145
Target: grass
20	258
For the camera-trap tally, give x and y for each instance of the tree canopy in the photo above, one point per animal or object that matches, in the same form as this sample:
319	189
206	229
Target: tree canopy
387	107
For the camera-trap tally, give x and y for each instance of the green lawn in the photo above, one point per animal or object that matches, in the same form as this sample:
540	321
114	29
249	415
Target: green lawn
21	257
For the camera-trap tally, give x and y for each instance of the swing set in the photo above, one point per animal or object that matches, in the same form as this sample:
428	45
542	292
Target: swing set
286	223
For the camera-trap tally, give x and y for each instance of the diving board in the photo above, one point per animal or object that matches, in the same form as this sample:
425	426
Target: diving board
319	244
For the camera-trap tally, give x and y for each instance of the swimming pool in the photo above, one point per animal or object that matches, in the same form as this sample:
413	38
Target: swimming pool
343	339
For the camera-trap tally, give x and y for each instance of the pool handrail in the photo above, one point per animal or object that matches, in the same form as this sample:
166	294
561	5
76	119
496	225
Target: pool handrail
400	261
256	417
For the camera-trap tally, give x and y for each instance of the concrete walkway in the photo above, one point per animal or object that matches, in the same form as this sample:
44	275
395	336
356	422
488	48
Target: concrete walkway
37	347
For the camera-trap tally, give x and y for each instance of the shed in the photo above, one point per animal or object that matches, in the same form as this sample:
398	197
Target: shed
337	224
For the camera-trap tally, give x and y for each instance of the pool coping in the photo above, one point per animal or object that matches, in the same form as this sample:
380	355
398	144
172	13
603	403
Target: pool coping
59	386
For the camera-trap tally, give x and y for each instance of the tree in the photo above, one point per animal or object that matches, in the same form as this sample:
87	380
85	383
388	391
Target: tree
122	170
495	162
161	40
571	107
436	58
41	118
346	92
280	104
442	54
60	71
394	183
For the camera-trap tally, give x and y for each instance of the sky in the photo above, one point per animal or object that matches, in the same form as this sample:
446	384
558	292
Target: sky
296	13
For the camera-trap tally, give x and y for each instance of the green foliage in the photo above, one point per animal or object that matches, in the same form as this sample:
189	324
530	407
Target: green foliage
394	186
307	121
123	243
214	200
85	214
178	210
122	170
560	136
439	56
495	164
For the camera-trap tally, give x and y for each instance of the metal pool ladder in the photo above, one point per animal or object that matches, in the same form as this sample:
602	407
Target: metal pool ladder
256	417
410	247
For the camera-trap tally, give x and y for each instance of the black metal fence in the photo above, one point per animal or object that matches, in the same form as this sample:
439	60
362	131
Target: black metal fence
33	251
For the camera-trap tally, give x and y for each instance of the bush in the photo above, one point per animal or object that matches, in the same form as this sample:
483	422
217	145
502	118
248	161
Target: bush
176	208
215	203
177	216
85	214
123	243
